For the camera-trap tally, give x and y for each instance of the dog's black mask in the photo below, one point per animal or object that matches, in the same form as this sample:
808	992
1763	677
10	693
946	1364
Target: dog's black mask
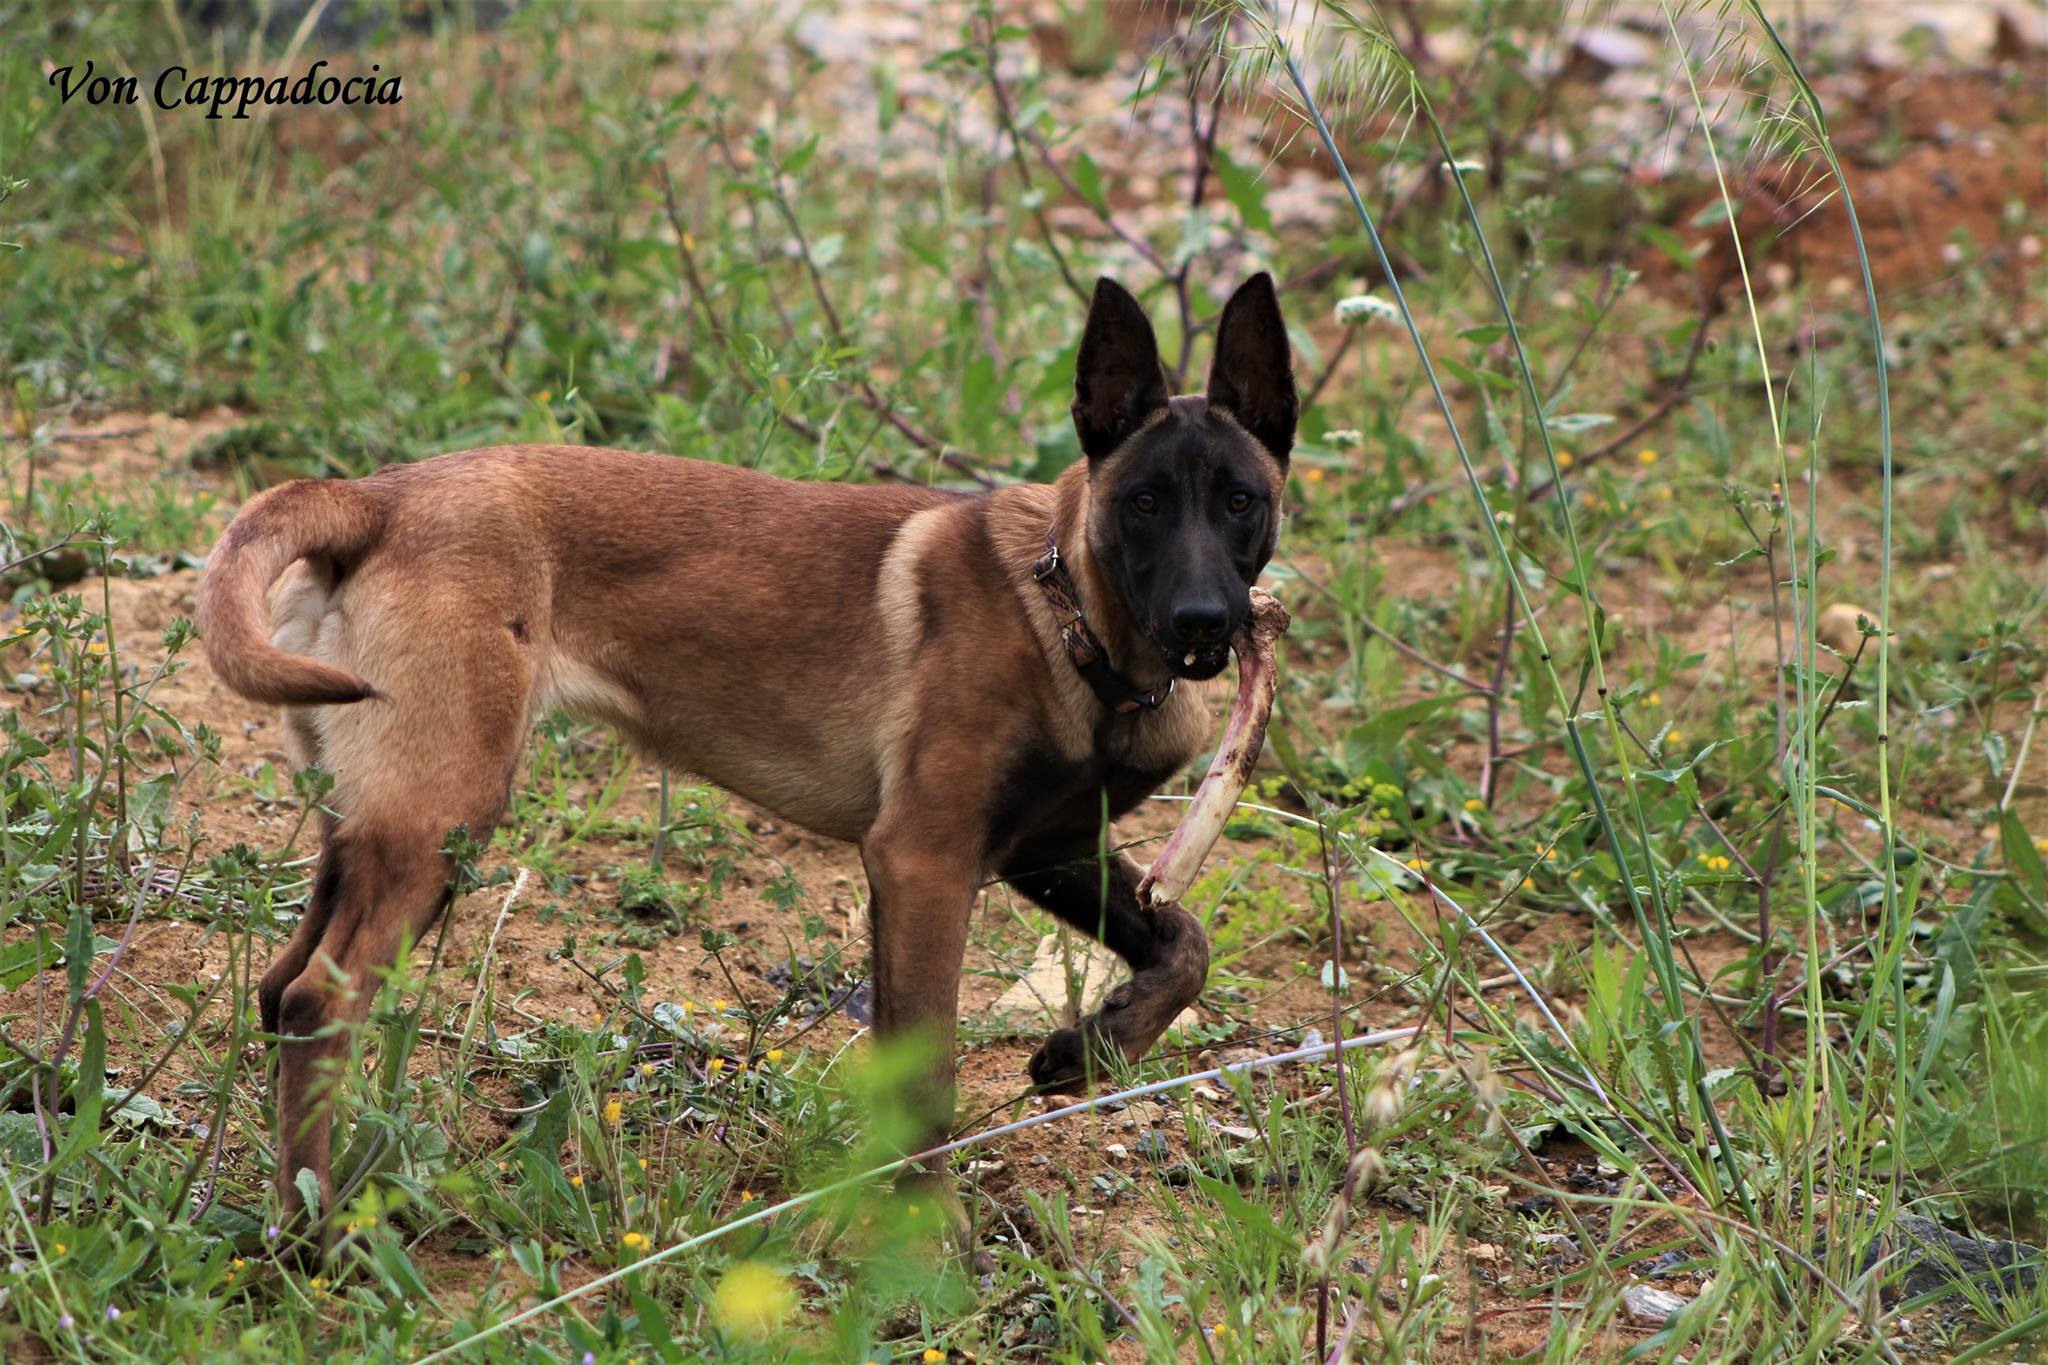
1185	492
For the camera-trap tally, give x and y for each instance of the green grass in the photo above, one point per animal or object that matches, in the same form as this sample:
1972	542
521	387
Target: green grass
1729	956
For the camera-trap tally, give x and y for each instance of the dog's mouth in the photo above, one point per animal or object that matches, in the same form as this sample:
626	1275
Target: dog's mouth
1197	665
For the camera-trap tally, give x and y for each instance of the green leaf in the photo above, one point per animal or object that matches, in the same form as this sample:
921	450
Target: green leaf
1716	211
654	1328
550	1127
398	1270
21	960
1246	192
2022	859
796	162
21	1143
1088	179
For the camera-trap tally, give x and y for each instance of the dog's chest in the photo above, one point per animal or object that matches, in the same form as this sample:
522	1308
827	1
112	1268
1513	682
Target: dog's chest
1046	792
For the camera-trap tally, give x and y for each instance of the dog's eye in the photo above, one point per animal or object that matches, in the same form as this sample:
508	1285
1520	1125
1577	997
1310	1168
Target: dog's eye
1145	503
1240	502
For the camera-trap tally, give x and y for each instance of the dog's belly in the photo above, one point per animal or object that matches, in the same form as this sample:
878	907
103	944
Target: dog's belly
730	728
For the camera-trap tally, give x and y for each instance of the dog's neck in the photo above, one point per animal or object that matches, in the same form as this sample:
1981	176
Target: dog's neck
1131	654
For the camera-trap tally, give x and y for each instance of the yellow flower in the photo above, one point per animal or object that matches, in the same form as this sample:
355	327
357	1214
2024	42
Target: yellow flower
633	1241
239	1263
715	1065
613	1111
934	1356
1313	475
1419	864
721	1005
1475	804
2042	843
774	1055
575	1182
746	1196
546	394
61	1248
1646	457
97	647
647	1068
1672	736
752	1299
1654	699
319	1282
1549	855
351	1229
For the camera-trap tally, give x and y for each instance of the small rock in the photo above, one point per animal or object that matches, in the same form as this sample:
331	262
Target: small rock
1607	47
1648	1306
1152	1146
1118	1151
25	682
1938	1260
1837	628
1043	990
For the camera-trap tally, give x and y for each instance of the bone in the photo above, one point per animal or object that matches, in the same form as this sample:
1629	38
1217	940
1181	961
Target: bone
1244	734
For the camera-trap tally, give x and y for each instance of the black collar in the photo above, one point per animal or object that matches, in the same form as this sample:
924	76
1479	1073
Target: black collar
1085	651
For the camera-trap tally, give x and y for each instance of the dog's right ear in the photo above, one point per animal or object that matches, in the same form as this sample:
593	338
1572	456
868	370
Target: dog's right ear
1118	380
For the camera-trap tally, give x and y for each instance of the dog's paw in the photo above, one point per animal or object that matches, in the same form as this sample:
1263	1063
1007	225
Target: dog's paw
1060	1066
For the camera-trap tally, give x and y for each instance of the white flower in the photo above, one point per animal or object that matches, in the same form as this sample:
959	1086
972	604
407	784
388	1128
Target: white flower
1360	308
1465	166
1344	438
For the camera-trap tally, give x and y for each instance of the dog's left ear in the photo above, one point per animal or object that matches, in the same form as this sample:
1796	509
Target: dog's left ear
1253	373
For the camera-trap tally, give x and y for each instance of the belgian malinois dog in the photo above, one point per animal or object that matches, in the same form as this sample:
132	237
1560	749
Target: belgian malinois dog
956	682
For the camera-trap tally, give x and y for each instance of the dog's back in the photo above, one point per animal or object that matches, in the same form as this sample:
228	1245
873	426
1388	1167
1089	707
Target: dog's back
736	625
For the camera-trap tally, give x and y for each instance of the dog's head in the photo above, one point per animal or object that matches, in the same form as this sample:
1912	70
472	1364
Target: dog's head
1184	493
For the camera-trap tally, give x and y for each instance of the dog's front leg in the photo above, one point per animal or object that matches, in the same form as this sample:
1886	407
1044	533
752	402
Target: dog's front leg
1165	947
924	871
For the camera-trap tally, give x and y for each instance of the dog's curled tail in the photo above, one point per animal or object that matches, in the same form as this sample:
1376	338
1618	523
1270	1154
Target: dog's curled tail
318	517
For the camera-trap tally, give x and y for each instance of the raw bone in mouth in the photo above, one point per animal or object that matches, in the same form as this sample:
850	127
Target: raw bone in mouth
1244	734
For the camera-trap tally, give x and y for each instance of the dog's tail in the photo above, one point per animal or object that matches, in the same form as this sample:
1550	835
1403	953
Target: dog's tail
326	517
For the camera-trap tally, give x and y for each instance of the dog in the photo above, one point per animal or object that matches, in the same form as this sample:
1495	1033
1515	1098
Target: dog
959	683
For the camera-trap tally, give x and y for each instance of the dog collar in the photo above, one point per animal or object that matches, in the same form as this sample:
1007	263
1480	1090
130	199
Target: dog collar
1084	650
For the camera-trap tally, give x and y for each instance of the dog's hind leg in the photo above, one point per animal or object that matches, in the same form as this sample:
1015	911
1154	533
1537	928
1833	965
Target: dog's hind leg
1166	950
434	753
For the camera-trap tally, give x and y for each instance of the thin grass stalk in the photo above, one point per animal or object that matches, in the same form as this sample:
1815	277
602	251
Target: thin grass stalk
1895	927
1799	777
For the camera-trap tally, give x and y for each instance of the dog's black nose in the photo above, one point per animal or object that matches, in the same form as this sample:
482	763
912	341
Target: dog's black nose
1200	623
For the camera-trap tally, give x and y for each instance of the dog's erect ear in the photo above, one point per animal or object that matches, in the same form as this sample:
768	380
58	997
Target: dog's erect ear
1253	374
1118	380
